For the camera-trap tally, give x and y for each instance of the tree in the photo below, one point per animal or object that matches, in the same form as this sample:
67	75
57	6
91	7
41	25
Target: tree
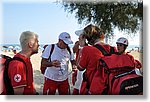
127	16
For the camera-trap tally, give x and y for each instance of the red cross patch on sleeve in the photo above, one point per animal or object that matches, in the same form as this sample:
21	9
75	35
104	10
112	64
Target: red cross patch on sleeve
17	78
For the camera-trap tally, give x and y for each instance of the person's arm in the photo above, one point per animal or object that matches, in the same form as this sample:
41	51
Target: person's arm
18	90
46	63
80	68
80	58
138	64
17	73
45	55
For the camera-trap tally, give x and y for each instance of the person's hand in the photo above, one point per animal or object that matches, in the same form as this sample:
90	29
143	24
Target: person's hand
77	43
76	47
138	64
74	67
55	63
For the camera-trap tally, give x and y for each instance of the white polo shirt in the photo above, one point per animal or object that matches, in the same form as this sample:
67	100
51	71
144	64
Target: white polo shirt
63	56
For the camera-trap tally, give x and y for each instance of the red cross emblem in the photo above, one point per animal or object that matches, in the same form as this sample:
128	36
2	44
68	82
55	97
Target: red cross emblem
17	78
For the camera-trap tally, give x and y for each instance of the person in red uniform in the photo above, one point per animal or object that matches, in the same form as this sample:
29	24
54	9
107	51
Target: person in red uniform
90	56
77	75
2	61
22	79
122	44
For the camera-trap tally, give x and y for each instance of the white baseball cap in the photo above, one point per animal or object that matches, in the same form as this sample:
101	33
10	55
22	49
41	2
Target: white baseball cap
65	37
79	32
122	40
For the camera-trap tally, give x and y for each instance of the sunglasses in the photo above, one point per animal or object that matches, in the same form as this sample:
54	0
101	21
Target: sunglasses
119	44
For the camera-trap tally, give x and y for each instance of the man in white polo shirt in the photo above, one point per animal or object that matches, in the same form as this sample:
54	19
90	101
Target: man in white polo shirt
56	73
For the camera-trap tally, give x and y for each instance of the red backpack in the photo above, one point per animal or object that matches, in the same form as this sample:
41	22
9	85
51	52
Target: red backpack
115	75
51	51
86	85
5	85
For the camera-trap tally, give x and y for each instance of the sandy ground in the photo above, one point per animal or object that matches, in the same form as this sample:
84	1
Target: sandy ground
38	77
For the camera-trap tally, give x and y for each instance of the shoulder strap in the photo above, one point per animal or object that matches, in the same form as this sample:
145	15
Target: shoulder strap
7	81
51	51
104	52
112	51
44	47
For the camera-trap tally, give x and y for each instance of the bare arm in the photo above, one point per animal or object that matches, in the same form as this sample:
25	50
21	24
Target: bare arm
19	90
46	63
78	60
80	68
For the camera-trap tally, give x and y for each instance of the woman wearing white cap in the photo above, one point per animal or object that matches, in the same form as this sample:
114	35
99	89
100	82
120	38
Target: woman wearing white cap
77	75
122	44
56	73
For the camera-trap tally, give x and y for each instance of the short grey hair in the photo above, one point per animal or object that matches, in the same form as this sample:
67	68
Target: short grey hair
26	37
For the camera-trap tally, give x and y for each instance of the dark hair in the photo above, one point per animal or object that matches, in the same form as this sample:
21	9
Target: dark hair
125	46
92	33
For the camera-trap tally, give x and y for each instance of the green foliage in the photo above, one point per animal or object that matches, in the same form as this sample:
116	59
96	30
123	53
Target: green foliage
127	16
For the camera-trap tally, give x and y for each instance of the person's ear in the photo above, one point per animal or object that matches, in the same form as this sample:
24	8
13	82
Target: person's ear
30	44
102	36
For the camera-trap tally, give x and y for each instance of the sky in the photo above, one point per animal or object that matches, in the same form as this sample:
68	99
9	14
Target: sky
44	17
47	19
